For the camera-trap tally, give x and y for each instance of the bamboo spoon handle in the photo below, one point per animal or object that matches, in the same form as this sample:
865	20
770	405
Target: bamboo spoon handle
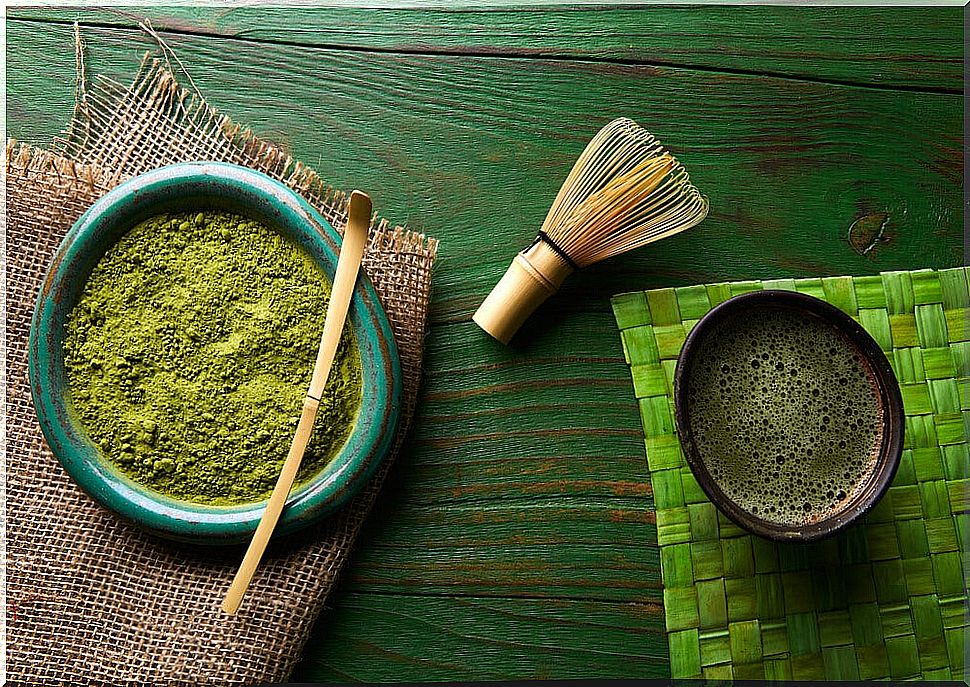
348	264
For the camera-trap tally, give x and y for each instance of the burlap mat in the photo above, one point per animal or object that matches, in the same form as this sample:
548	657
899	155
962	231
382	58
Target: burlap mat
91	597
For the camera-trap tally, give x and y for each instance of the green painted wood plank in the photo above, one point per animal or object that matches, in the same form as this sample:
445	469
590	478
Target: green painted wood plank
916	47
494	106
376	638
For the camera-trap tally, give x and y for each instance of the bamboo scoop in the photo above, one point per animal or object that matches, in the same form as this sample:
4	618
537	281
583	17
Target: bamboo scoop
348	264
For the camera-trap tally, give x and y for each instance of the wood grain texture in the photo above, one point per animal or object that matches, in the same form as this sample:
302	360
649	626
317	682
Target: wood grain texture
468	639
523	481
899	46
789	166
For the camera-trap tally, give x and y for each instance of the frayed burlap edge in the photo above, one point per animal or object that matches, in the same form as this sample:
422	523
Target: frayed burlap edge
90	597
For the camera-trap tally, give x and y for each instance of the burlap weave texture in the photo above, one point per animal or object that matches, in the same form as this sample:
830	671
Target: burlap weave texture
92	598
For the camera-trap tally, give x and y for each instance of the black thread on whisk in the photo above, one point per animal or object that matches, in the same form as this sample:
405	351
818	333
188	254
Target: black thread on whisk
543	236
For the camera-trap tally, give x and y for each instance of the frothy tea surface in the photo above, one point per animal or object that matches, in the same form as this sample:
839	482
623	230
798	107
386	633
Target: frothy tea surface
785	413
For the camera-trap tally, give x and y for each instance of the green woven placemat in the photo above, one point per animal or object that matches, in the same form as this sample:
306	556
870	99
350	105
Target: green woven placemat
884	599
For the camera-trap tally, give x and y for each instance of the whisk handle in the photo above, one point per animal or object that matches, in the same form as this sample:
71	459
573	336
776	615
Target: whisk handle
535	274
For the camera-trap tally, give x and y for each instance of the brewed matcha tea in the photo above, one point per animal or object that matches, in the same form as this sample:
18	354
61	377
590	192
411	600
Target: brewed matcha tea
786	415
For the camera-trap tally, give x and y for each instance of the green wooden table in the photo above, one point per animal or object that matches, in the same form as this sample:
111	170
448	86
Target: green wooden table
516	538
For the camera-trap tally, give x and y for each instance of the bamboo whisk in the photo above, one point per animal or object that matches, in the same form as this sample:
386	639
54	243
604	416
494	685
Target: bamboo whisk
624	191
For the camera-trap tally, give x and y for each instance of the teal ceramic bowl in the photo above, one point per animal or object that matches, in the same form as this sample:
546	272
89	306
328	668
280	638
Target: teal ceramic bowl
183	188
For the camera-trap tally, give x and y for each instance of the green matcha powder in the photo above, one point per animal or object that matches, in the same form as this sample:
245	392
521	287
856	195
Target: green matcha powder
190	352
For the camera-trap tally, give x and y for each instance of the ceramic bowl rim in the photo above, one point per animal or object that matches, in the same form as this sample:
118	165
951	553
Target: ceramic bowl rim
222	186
891	446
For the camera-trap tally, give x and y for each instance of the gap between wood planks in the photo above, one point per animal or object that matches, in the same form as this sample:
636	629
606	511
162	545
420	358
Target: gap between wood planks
510	55
347	587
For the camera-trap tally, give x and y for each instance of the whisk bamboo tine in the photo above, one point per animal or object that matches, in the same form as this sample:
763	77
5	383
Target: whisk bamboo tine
624	191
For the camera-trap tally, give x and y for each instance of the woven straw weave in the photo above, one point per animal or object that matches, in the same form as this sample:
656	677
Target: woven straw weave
90	597
884	599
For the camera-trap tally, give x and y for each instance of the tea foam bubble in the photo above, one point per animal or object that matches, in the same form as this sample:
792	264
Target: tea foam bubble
785	414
